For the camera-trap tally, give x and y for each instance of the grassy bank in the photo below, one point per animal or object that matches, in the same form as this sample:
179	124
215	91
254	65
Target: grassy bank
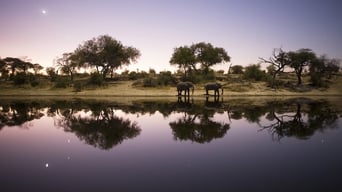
126	89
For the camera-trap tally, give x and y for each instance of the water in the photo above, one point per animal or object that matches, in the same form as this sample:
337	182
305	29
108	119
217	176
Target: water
162	144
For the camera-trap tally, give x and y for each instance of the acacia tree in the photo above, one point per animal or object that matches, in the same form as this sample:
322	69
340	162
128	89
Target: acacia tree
105	54
184	57
208	55
299	60
67	64
236	69
323	67
279	60
51	71
36	68
16	64
3	69
204	53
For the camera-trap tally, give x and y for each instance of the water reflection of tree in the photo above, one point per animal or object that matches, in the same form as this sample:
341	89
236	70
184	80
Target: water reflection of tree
198	126
298	122
299	118
103	129
18	113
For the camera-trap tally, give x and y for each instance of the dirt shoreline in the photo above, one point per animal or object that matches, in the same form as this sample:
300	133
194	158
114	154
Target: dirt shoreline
125	89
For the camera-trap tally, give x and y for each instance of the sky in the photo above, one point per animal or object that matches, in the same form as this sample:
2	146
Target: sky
42	30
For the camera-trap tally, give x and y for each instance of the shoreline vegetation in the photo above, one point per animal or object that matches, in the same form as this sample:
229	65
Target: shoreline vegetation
288	73
127	89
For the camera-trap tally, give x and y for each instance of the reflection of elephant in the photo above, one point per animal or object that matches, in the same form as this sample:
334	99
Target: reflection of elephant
213	86
185	86
216	104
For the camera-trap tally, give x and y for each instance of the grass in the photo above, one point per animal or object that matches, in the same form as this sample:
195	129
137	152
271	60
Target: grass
126	89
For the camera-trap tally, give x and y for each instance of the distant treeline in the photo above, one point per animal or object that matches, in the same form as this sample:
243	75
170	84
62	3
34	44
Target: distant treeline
103	55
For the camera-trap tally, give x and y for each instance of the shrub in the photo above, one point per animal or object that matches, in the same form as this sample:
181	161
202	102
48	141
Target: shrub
96	79
78	86
253	72
35	82
166	78
133	75
20	79
236	69
150	82
61	82
317	81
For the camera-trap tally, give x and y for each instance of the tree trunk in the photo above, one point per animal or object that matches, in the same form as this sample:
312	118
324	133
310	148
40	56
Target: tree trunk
299	77
273	79
71	76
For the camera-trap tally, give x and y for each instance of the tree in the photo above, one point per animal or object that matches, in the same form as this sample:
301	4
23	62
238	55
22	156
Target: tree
236	69
185	58
51	71
67	64
253	72
37	68
198	128
323	67
204	53
299	60
105	54
279	60
208	55
13	64
3	69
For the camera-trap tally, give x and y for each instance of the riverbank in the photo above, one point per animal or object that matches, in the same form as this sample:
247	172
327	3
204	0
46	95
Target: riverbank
126	89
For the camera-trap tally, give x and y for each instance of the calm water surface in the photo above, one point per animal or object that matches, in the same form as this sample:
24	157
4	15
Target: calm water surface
171	145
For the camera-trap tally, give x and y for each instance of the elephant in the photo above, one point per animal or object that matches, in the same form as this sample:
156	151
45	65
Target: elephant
215	87
185	86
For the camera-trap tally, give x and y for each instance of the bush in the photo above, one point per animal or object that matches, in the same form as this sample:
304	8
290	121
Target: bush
253	72
150	82
209	76
236	69
35	82
96	79
317	81
200	76
61	82
20	79
78	86
166	78
133	75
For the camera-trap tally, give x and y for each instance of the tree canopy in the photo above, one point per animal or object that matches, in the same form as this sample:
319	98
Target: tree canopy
201	53
208	55
105	54
184	57
16	64
278	61
299	59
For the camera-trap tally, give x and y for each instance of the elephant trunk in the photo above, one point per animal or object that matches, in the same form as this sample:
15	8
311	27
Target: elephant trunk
222	91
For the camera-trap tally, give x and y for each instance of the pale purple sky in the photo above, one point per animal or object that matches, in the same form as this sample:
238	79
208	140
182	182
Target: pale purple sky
246	29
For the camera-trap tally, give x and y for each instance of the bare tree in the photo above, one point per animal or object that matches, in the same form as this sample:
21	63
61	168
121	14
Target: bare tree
279	60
